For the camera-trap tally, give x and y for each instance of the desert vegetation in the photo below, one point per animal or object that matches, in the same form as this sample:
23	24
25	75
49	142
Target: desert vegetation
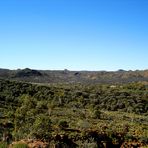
78	115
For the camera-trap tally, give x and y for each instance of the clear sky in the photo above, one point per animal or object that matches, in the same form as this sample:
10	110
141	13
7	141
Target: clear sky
74	34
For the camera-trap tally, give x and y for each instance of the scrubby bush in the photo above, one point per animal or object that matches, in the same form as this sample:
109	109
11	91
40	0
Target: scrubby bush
63	124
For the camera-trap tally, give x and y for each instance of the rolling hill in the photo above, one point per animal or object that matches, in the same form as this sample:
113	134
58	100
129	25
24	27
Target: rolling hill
66	76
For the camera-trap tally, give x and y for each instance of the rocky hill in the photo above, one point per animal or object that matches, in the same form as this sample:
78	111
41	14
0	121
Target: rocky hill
66	76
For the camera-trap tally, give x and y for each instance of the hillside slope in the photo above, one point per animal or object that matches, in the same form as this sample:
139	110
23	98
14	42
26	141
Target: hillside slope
66	76
82	115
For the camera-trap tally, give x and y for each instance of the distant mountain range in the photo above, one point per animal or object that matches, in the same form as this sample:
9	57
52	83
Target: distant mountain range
66	76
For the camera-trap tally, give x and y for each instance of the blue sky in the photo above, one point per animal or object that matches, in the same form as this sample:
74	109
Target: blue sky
74	34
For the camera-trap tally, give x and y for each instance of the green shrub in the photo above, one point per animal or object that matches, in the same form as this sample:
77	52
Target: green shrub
63	124
96	114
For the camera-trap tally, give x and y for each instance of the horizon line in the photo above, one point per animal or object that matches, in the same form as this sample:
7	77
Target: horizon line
101	70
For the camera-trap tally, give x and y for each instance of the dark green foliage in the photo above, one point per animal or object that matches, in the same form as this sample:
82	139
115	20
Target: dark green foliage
43	111
41	127
63	124
96	114
123	98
